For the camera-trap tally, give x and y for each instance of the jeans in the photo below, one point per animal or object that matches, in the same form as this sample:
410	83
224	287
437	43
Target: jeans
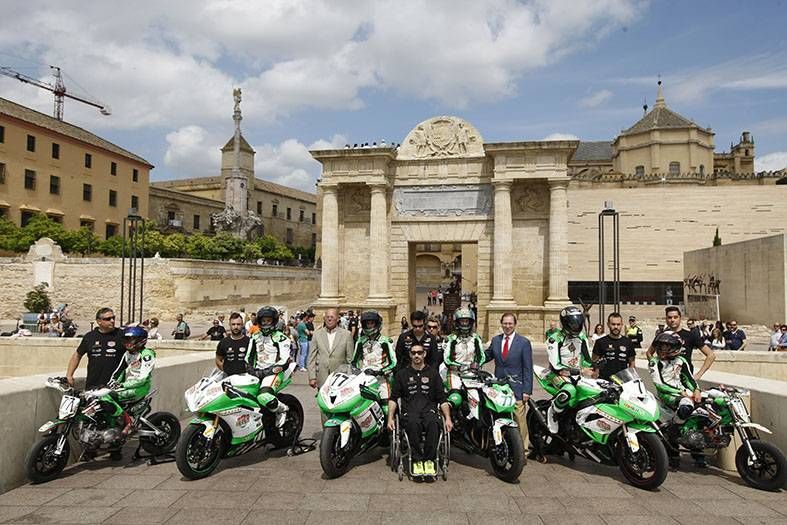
304	355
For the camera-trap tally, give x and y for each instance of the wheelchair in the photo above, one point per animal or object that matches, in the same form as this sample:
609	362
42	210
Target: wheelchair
400	456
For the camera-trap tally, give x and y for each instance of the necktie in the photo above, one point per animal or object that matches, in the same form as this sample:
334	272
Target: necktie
505	350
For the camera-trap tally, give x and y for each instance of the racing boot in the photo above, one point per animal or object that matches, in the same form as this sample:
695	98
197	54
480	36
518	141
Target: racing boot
269	401
128	423
552	424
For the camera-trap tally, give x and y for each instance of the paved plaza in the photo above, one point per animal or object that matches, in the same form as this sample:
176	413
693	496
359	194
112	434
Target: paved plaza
272	488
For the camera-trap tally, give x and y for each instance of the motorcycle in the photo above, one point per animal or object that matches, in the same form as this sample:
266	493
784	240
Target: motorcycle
229	420
484	423
720	414
80	415
356	418
613	423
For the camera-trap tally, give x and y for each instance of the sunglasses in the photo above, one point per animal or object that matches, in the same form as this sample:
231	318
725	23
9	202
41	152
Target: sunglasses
432	327
417	326
107	318
418	352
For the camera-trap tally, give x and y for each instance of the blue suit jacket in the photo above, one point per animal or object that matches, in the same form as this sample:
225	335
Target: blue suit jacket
519	363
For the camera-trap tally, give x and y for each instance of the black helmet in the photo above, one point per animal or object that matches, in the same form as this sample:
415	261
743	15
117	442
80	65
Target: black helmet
371	315
134	338
572	319
267	312
464	321
667	344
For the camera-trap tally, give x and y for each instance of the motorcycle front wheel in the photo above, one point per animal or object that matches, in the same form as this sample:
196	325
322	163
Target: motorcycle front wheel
42	464
508	458
196	456
334	460
170	426
768	472
647	468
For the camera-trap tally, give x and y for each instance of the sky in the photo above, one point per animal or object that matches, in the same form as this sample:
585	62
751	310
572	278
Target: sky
322	74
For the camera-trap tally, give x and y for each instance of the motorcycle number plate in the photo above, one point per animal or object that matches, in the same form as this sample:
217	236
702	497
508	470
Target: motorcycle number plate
631	439
209	431
497	434
68	406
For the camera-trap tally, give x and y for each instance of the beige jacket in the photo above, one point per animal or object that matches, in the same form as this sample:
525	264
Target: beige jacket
322	360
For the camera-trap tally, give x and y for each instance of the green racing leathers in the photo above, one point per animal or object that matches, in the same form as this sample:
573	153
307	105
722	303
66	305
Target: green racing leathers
460	352
132	379
266	351
675	385
568	355
377	354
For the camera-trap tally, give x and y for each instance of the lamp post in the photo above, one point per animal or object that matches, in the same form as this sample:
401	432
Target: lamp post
608	211
131	293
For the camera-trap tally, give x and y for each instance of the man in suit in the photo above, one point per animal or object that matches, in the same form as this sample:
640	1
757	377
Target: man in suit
332	346
513	356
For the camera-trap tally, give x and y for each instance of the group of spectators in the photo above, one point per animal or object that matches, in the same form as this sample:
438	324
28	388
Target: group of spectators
778	341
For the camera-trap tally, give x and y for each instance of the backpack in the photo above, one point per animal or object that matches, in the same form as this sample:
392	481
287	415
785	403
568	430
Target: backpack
187	331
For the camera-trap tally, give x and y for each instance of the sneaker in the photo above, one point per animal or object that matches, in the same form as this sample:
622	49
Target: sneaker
429	469
418	468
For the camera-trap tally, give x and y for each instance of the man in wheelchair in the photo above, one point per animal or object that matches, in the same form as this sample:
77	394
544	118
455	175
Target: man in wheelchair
420	389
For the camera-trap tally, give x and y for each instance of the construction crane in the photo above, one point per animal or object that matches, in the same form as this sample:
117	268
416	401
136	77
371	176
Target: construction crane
59	89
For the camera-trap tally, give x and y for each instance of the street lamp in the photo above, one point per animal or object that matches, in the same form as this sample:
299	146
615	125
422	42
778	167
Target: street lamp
608	211
131	291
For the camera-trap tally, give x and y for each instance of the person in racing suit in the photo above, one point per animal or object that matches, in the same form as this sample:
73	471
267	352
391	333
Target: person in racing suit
461	349
132	378
269	349
376	352
568	354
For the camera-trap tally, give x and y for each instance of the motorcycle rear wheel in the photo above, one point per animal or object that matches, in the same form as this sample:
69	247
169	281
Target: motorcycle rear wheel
651	455
190	443
293	424
168	424
769	473
41	464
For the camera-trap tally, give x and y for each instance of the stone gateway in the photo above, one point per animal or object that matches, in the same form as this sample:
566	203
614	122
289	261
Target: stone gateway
445	185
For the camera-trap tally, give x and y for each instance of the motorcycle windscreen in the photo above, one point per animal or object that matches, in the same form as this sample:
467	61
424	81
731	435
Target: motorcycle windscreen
625	376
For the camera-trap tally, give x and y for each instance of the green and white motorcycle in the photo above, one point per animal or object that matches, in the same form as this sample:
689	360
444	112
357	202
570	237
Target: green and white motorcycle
484	423
229	420
356	418
613	423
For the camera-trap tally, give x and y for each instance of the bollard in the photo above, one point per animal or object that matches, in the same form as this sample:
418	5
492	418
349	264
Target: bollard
725	459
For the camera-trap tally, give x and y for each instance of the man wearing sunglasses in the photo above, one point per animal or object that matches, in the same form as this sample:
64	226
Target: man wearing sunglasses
104	348
417	335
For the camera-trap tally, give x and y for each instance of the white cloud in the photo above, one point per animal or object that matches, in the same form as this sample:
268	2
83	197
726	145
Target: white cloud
560	136
191	153
594	100
771	162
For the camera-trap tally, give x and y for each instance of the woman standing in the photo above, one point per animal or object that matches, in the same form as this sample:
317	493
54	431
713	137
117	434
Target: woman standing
717	341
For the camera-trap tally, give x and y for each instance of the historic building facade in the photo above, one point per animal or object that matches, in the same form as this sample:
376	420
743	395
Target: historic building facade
67	173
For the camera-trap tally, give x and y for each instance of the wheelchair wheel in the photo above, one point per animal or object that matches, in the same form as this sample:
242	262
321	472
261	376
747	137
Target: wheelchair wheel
444	453
394	450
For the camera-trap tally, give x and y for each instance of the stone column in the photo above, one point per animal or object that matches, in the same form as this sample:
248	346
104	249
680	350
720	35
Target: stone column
378	244
558	242
502	294
329	290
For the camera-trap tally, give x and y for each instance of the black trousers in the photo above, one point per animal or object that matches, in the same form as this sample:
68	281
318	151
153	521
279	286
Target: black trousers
417	424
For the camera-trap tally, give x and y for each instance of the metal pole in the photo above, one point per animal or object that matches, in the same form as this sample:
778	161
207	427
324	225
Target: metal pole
133	273
142	273
601	280
616	259
122	271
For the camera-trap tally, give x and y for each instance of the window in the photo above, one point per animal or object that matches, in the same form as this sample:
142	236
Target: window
289	236
86	223
300	217
31	143
2	173
135	202
275	211
135	175
26	216
87	192
674	168
170	216
88	160
2	134
55	150
314	218
113	168
702	169
289	214
113	198
111	230
3	212
196	222
314	240
30	180
56	218
639	171
54	185
259	207
746	152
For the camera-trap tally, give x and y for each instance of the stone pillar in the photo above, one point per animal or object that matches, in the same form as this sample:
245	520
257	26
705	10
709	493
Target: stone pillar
558	242
502	294
329	290
378	244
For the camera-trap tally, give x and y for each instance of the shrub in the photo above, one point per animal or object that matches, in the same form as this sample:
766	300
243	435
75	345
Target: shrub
37	299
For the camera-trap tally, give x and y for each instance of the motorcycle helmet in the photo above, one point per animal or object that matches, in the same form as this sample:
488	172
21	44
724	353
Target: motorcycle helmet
572	319
134	338
464	321
667	344
373	331
267	319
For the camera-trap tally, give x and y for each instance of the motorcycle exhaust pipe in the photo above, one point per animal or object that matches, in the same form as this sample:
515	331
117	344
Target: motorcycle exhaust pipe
537	412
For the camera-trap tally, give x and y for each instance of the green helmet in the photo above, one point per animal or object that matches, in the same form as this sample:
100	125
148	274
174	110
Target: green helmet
464	321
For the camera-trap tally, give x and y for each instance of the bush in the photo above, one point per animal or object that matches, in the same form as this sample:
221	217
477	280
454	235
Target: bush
37	299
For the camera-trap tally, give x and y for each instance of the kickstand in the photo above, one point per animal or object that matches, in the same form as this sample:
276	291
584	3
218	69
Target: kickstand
152	459
302	446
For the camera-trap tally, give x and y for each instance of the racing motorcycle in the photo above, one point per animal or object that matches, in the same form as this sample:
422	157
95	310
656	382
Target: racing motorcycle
356	420
80	415
484	423
613	423
229	420
720	414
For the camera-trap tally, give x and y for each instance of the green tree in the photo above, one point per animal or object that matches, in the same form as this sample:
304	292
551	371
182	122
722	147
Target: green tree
9	234
273	249
228	247
112	247
716	238
199	246
82	241
174	245
37	299
251	251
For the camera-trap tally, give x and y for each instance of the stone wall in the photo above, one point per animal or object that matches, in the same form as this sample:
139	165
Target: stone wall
171	285
658	224
752	275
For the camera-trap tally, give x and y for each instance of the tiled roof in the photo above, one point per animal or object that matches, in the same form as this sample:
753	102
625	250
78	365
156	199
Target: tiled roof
244	146
660	117
36	118
596	150
285	191
183	185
